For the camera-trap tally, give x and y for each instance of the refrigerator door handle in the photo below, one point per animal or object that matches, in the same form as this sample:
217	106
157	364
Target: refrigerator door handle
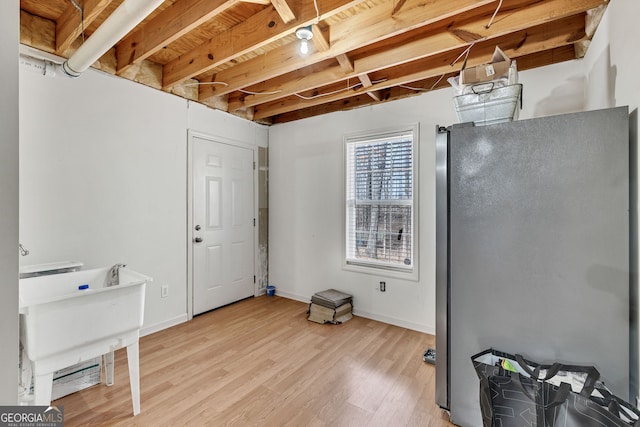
442	269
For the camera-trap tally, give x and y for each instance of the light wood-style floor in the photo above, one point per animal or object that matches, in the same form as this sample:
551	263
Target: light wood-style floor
259	362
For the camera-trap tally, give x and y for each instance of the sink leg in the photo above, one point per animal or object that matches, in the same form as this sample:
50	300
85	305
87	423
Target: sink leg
42	389
108	368
134	375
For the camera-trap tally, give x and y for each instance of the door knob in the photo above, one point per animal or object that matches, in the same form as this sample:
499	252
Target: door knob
198	239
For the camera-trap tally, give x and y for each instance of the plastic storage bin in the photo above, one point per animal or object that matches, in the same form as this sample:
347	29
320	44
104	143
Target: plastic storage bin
488	104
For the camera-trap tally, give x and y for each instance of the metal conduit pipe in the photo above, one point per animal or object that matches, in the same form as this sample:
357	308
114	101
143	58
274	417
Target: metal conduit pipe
129	14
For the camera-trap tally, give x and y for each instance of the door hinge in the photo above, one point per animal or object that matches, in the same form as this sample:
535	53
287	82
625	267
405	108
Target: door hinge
254	222
254	165
254	279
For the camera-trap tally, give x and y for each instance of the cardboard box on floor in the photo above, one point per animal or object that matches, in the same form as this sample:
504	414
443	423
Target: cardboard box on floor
498	68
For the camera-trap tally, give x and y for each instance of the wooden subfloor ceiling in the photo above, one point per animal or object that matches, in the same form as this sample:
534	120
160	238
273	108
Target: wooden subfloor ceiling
261	363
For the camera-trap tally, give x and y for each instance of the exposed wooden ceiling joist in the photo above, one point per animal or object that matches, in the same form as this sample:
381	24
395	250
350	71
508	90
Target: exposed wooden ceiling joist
73	22
345	63
526	42
548	57
285	12
473	31
168	26
244	56
375	25
256	32
433	44
320	41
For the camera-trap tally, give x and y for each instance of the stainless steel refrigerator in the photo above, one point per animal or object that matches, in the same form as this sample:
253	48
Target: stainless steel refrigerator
532	248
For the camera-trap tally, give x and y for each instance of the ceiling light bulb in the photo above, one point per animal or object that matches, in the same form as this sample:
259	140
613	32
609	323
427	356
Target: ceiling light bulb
304	46
304	34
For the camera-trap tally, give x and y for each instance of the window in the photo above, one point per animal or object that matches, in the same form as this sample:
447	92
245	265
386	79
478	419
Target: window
380	180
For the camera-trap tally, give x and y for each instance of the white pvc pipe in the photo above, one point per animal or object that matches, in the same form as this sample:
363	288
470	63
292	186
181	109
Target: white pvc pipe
129	14
38	65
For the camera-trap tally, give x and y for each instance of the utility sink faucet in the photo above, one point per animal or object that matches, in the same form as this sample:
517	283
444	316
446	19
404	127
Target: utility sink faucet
114	274
23	250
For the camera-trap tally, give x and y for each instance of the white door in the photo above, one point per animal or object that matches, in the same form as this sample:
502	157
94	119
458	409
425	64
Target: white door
223	224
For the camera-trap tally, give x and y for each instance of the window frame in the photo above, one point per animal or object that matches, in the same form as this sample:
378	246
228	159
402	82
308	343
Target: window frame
383	269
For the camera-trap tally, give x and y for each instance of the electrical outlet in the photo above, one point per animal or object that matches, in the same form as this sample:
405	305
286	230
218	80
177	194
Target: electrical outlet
383	286
164	291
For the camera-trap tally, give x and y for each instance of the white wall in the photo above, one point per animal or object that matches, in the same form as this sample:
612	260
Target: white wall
612	68
9	32
102	179
216	123
612	63
306	190
103	173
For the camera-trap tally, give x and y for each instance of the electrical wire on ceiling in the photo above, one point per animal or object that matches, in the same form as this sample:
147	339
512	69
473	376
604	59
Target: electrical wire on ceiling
320	95
248	92
306	33
494	14
437	81
81	10
421	89
375	82
465	53
349	87
315	4
204	83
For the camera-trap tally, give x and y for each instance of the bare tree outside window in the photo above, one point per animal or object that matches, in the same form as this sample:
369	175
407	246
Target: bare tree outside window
380	201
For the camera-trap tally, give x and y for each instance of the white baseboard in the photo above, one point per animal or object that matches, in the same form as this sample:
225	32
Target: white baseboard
427	329
296	297
396	322
148	330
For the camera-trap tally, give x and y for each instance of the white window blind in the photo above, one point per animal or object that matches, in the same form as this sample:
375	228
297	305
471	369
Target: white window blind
380	201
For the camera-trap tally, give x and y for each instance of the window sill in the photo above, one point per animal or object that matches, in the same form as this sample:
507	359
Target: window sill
411	275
